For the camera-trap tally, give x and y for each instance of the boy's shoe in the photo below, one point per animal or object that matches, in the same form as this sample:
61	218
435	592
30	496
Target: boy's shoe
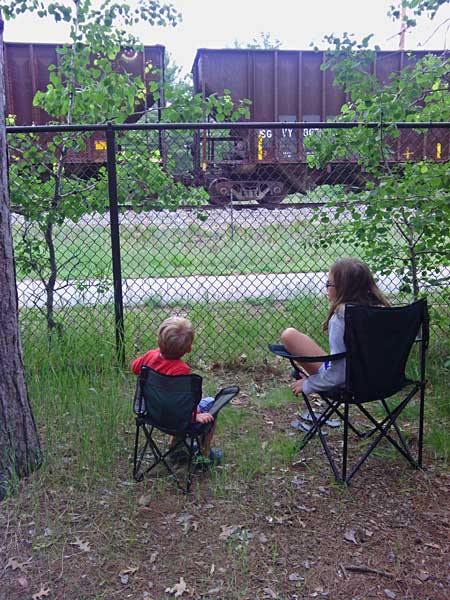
215	456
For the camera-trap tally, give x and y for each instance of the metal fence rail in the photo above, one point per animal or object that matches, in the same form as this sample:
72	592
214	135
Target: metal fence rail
108	245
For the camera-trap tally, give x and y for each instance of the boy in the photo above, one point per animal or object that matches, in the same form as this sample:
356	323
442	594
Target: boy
175	339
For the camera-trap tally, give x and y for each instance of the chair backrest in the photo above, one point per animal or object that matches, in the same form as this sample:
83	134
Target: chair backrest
379	341
170	400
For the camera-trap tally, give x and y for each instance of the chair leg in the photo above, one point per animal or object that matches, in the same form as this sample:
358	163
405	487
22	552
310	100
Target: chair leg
421	423
345	443
139	456
161	457
321	420
317	424
384	434
386	424
136	465
341	416
396	427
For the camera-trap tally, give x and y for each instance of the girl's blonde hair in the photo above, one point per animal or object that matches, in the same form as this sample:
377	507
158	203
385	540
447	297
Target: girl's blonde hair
175	337
354	284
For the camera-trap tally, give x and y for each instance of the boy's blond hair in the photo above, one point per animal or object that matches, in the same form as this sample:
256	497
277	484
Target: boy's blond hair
175	337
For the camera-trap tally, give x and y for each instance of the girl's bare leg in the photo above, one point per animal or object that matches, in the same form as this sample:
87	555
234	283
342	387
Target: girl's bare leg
299	344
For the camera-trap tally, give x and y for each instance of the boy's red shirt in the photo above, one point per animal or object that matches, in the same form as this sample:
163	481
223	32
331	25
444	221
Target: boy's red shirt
155	361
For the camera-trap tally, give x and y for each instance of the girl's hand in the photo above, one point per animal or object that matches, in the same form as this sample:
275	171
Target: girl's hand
204	418
297	386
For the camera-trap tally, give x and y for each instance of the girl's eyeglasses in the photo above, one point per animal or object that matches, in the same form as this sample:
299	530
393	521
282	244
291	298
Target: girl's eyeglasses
328	284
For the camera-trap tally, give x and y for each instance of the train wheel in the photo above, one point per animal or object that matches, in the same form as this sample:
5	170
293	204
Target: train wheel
219	191
277	193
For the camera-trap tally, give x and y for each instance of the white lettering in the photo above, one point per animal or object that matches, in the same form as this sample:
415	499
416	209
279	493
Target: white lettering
266	133
286	132
310	131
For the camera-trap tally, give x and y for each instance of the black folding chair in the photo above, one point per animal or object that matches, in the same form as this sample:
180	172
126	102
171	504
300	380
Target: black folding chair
379	342
168	403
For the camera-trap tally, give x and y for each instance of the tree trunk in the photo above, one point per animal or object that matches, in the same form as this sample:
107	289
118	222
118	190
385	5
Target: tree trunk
19	442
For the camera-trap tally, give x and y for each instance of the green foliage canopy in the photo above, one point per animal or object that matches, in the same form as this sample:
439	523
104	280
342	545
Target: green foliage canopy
411	197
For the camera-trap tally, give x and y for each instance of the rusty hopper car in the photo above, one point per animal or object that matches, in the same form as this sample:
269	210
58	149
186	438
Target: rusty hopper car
26	72
284	86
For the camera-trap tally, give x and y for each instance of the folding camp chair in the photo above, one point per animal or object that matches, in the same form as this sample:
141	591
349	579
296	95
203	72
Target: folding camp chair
379	342
167	403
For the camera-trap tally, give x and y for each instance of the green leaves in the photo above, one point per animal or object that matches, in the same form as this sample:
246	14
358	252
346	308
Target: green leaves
409	198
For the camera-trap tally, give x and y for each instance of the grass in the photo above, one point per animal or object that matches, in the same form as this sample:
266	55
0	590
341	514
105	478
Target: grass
247	527
232	334
77	387
149	251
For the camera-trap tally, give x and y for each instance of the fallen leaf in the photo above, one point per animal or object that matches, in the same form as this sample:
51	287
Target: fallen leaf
390	594
129	570
295	577
270	593
212	569
23	582
263	539
423	575
83	546
42	593
227	531
15	564
178	589
349	536
153	556
305	509
145	500
431	545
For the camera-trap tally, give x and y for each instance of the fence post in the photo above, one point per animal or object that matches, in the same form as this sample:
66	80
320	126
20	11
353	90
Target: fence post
115	243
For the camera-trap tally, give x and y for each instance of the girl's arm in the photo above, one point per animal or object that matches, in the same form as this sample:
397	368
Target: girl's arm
334	376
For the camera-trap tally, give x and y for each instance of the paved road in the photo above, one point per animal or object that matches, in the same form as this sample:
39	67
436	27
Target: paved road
188	289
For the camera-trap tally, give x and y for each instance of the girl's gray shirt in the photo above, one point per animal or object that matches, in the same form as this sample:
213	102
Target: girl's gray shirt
333	376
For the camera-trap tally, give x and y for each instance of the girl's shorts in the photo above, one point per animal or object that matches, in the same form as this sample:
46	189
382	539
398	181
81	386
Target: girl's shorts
326	365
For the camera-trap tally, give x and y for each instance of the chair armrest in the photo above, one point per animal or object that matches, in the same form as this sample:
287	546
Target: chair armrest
222	398
280	350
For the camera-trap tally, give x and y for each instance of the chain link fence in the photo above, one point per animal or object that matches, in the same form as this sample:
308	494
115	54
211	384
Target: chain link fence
235	228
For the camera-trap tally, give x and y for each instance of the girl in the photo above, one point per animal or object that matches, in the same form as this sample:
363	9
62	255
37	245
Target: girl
349	282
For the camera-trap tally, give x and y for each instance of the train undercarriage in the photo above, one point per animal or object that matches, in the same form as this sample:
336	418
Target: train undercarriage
271	184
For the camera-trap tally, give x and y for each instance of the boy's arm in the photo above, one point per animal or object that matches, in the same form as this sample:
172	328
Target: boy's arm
204	418
138	363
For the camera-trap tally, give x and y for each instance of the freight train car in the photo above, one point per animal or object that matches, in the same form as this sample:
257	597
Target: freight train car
284	86
26	72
